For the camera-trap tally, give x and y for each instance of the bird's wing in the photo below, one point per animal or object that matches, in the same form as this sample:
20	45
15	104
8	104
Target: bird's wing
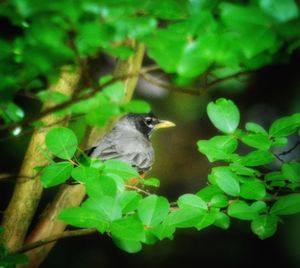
132	149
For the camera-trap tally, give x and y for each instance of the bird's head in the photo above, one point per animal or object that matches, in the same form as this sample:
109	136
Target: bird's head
145	123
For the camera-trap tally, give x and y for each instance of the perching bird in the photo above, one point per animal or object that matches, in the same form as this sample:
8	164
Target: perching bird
129	141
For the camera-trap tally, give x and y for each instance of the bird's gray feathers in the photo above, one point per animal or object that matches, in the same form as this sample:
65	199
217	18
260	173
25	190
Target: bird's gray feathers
125	143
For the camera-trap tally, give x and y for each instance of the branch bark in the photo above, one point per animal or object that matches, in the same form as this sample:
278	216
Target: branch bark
26	195
70	196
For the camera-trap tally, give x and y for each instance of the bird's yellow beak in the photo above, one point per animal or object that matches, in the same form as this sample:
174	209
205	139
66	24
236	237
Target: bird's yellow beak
164	124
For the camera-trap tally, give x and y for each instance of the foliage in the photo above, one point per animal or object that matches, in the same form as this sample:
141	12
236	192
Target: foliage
197	37
239	186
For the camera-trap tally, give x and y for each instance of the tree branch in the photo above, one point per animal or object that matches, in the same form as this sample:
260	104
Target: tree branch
72	196
26	195
55	238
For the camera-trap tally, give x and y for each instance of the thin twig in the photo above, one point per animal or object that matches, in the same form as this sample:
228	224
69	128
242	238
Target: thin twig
137	189
53	238
291	149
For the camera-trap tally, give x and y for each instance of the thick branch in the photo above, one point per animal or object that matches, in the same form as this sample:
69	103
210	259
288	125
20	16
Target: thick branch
26	196
70	196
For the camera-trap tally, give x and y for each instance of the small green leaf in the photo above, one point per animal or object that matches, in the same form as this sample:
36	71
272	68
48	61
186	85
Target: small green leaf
56	173
282	11
62	142
153	209
244	171
53	96
130	228
185	217
259	206
226	180
222	220
83	218
151	182
115	92
219	201
253	190
82	173
191	201
264	226
256	140
163	230
129	201
224	115
137	106
128	245
241	210
274	176
256	158
291	171
255	128
101	186
206	220
218	147
120	168
285	126
279	141
208	192
287	205
106	206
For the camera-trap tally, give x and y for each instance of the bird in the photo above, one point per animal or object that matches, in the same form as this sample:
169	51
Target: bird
129	141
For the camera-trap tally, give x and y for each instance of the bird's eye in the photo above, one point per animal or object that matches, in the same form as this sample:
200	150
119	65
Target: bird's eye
148	121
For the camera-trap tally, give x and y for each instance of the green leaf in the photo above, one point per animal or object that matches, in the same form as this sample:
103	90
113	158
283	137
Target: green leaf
218	147
264	226
244	171
137	106
191	201
129	228
129	201
256	158
106	206
151	182
83	218
128	245
120	168
153	209
206	220
208	192
241	210
219	201
285	126
11	112
163	230
224	115
253	190
101	186
83	174
222	220
279	141
56	173
259	206
256	140
52	96
282	11
185	217
287	205
255	128
115	92
226	180
62	142
291	171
